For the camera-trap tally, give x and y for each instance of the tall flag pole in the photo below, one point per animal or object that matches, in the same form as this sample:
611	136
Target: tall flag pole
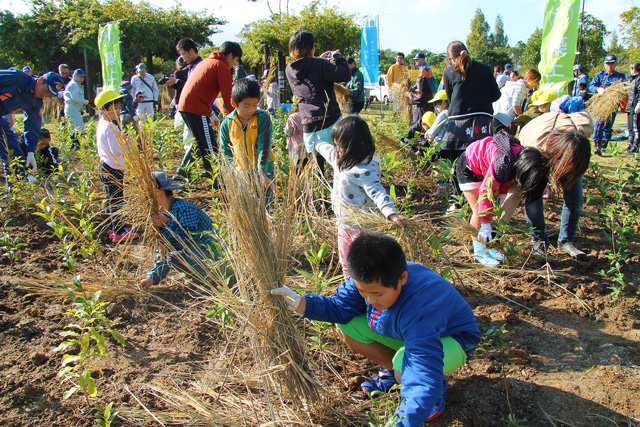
369	55
559	41
109	46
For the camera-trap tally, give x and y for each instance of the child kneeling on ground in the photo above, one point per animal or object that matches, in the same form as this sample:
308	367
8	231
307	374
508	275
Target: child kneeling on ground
401	315
187	230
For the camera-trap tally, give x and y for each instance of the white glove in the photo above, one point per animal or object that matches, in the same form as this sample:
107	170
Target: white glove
32	179
484	235
31	162
60	94
290	297
600	90
637	109
502	198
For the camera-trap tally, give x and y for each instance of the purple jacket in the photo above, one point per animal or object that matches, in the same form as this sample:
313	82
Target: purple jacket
312	80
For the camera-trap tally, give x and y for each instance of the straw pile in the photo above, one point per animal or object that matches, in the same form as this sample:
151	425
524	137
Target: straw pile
258	253
343	96
602	106
400	96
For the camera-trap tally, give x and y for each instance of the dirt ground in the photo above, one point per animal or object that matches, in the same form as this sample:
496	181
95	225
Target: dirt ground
572	353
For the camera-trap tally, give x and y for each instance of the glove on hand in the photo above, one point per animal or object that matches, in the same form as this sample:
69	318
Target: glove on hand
600	90
31	162
484	235
290	297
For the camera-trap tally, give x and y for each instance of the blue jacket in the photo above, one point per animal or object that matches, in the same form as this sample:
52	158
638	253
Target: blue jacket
604	80
16	93
428	308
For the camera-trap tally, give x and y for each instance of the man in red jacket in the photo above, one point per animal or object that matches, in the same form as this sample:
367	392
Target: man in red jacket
211	77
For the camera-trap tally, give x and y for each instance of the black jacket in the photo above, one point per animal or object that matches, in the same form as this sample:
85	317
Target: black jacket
182	75
475	94
634	93
312	80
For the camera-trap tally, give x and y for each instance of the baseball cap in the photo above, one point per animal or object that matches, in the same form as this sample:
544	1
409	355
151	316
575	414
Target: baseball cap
508	65
440	96
26	68
164	183
572	105
545	98
54	82
610	59
78	72
141	67
577	67
106	96
429	118
125	87
420	55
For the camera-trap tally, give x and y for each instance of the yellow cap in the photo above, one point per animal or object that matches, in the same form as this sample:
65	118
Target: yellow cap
440	96
428	118
106	96
545	98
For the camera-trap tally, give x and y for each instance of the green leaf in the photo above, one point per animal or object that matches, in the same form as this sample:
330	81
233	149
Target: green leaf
117	336
92	391
66	359
67	394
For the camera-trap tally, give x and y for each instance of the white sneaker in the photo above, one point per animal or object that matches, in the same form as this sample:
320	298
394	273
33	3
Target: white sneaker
496	254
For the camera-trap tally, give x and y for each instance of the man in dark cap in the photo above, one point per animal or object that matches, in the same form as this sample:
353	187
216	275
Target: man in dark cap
601	81
19	91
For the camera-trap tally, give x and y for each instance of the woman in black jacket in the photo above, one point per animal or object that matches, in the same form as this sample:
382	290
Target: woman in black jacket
633	108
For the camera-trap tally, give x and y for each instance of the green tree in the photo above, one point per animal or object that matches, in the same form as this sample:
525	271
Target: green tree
332	30
498	39
530	57
592	50
624	59
630	31
478	38
387	58
54	32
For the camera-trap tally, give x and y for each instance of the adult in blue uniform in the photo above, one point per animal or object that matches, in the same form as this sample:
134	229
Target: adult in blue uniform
601	81
19	91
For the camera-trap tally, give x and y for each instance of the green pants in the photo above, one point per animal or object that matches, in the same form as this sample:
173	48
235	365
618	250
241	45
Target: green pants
358	329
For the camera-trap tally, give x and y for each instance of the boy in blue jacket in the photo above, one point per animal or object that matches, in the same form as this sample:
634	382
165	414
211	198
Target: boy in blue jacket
402	316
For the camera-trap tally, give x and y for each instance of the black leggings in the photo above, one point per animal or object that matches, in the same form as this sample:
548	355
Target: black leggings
113	180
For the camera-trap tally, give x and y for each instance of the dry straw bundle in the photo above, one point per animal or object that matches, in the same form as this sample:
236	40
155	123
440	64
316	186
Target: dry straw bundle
602	106
343	96
400	96
258	254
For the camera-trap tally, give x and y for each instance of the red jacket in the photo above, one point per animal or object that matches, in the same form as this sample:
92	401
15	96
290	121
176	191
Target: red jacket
208	78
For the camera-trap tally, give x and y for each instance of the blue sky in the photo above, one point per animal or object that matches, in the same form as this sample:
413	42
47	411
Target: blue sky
407	24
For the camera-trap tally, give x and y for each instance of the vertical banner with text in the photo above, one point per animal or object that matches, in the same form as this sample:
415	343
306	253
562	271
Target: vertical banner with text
109	46
559	42
369	60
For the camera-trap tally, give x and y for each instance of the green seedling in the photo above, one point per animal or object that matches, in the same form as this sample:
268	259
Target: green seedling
106	415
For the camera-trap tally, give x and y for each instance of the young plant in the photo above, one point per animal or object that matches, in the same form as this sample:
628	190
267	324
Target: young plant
317	276
89	335
9	245
106	415
383	408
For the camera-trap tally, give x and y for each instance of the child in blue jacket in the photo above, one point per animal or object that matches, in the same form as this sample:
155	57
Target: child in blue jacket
401	315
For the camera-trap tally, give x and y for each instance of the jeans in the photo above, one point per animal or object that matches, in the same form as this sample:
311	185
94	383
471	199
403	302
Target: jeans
571	211
604	130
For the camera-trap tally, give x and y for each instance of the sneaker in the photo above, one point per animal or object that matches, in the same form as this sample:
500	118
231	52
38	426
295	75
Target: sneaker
482	255
539	249
569	248
381	383
438	408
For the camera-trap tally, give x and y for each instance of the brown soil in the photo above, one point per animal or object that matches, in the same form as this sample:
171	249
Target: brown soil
572	352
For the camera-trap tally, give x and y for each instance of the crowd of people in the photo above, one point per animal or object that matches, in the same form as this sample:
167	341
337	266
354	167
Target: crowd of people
509	140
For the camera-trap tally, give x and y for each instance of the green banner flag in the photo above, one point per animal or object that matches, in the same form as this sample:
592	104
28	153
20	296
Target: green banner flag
109	46
559	42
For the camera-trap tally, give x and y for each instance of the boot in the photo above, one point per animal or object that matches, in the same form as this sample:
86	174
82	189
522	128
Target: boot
598	150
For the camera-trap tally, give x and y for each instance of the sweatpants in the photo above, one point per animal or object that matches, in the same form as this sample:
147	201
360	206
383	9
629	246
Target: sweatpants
206	138
113	180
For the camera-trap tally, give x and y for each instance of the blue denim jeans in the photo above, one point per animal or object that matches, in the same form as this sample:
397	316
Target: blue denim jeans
604	130
571	211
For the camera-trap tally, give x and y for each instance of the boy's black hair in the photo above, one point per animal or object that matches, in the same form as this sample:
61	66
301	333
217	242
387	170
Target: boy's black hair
376	257
44	133
231	48
582	86
110	103
301	44
400	53
187	44
168	193
437	104
351	61
352	137
245	88
532	174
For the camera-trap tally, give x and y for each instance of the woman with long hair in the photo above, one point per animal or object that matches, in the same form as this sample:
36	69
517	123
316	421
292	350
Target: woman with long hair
471	89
